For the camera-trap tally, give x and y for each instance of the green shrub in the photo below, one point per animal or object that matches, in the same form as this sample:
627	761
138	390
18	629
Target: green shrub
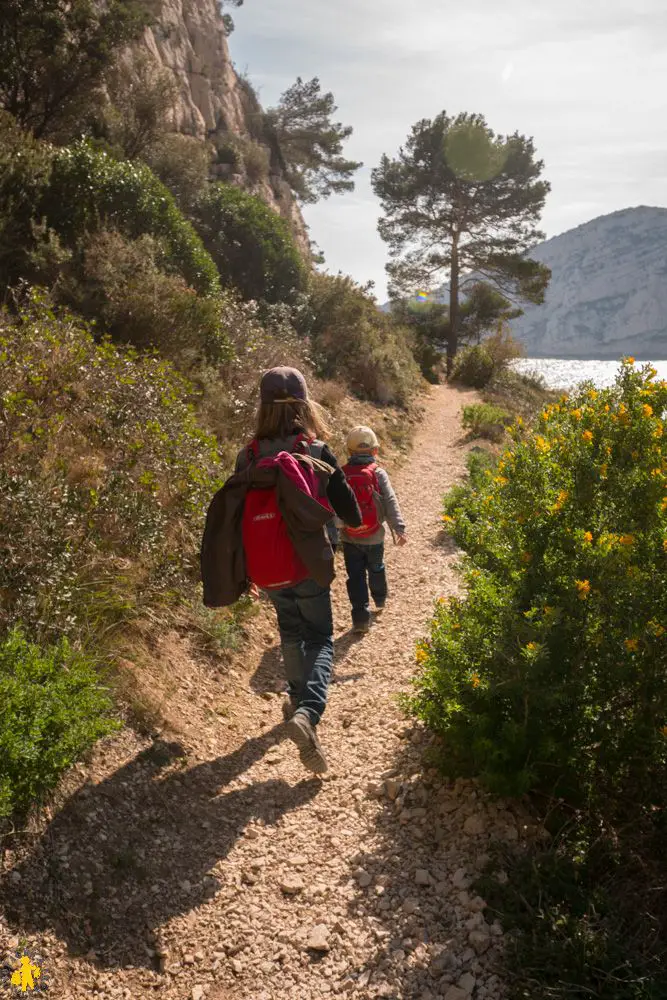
119	284
250	244
182	164
88	190
24	171
354	341
256	161
552	674
104	480
473	366
52	710
485	420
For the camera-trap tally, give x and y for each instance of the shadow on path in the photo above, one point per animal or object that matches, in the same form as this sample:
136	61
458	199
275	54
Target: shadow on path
124	856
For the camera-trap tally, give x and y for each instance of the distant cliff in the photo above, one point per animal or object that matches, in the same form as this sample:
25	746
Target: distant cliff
608	292
188	38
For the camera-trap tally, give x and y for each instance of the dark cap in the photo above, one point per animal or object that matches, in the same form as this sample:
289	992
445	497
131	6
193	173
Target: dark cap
282	384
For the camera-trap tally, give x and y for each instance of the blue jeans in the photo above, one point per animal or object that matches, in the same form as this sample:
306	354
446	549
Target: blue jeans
365	569
305	621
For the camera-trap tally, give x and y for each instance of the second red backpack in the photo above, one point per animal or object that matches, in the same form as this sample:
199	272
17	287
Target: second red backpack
364	484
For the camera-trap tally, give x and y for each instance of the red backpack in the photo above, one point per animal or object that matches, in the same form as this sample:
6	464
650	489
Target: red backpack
272	562
364	484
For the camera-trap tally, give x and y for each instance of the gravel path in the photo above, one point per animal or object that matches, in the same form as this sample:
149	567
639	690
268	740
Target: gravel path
239	877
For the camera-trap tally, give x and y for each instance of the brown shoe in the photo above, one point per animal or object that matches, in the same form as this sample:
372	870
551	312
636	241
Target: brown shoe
302	732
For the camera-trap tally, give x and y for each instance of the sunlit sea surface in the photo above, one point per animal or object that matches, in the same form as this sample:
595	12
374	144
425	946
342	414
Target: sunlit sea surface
567	374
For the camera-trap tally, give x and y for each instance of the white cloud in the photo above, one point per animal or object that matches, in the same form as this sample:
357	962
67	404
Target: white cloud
585	79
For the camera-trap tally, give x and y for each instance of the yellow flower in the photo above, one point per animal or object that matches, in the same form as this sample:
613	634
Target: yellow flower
656	628
541	443
546	414
592	394
560	500
421	655
657	433
664	545
532	646
648	410
631	645
604	468
584	588
501	480
447	519
475	681
443	600
656	473
626	540
587	437
576	414
564	398
663	730
629	361
588	537
519	421
606	407
456	626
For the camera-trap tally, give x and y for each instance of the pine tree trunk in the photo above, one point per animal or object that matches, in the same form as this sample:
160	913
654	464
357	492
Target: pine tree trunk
453	342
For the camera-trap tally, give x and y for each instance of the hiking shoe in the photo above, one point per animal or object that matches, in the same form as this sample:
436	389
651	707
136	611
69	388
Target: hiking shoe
379	607
289	708
361	627
302	732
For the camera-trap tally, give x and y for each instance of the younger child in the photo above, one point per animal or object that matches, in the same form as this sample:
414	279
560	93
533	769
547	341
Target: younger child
363	547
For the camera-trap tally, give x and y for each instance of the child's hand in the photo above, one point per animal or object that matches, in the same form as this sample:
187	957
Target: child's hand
402	540
253	592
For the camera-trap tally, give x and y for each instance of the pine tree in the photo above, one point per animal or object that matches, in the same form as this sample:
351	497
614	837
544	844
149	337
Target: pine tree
461	204
310	143
53	54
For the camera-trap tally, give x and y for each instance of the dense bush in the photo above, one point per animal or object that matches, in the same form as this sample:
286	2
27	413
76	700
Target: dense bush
120	285
104	479
250	244
24	170
477	366
553	672
473	366
352	340
485	420
52	709
89	190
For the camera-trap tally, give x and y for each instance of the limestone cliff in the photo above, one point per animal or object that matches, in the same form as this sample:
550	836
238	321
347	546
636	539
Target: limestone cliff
188	38
608	291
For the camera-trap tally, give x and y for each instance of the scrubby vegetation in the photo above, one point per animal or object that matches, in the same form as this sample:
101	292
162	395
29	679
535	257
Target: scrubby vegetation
143	302
550	676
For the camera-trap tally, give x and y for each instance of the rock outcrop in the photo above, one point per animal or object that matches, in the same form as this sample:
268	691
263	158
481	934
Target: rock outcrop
188	38
608	291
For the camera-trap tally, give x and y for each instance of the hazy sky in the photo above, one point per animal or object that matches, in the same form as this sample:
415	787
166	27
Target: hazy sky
586	78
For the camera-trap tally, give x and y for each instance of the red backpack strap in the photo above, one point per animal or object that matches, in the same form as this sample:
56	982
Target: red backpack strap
372	468
302	442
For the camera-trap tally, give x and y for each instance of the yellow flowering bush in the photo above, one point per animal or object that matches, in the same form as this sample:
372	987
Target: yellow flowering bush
564	621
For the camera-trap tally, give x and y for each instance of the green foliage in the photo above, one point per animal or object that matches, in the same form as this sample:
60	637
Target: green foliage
473	366
89	190
429	324
250	244
308	143
120	285
458	199
552	673
485	420
104	479
584	916
141	94
182	164
353	340
24	170
52	710
53	54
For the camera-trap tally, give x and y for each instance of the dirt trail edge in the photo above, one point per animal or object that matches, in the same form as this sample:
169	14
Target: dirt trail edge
234	875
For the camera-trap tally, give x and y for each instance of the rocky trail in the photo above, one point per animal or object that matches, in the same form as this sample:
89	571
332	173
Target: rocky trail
214	867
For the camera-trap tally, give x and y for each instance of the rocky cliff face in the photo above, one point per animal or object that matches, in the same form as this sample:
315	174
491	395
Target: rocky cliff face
608	291
188	39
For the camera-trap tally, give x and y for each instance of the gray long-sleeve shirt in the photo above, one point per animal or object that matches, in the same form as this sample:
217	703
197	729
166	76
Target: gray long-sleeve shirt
387	505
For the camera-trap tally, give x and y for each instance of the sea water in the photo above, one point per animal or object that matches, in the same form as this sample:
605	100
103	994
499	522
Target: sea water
559	374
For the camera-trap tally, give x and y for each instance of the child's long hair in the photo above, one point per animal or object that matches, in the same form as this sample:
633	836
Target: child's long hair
280	420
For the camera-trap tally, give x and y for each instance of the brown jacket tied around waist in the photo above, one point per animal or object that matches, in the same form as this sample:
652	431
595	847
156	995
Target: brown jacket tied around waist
223	568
